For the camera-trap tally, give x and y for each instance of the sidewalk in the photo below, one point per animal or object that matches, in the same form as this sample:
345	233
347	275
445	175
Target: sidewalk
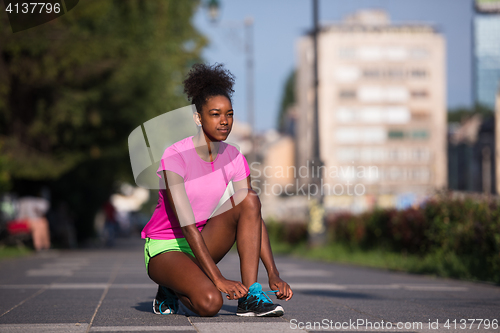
108	290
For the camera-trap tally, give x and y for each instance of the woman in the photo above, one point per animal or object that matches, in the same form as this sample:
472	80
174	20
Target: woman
185	238
33	209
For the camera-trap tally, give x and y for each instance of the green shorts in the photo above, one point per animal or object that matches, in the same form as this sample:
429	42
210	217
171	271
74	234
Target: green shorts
154	247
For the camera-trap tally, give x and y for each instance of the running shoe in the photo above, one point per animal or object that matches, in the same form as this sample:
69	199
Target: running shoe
258	304
165	302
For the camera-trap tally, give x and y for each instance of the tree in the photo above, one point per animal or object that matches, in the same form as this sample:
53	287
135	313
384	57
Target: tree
73	89
287	100
4	173
460	114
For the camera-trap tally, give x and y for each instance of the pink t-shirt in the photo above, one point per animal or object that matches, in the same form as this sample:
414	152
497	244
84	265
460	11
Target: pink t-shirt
205	183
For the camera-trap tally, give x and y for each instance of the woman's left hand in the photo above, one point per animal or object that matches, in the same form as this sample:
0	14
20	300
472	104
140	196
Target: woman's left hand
276	283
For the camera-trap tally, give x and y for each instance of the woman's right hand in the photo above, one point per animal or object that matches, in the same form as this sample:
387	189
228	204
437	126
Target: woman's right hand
233	289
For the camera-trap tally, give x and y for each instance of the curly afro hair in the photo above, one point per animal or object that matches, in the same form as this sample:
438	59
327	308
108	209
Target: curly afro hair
205	81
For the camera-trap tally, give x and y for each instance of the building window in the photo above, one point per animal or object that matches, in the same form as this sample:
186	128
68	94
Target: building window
397	115
347	74
373	134
360	135
419	53
419	73
396	94
380	94
347	53
396	53
371	94
395	134
417	94
395	74
370	53
420	115
346	115
395	173
370	115
372	154
348	154
417	155
347	135
420	154
371	73
420	134
347	94
421	175
425	175
394	154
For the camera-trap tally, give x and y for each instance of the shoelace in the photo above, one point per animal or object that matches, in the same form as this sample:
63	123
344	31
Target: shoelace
263	299
168	302
172	310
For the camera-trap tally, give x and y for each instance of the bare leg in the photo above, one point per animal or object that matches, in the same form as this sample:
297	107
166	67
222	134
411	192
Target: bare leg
182	273
243	224
46	234
40	233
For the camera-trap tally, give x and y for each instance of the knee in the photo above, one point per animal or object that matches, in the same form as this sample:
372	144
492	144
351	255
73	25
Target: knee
252	201
209	304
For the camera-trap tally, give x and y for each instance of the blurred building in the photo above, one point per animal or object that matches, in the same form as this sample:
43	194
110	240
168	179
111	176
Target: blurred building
273	177
487	51
471	151
241	136
382	111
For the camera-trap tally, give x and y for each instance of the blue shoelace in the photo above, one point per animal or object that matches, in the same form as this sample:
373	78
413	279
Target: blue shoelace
265	295
172	310
262	295
171	300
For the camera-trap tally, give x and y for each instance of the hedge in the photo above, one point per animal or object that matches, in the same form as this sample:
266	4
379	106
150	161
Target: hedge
453	237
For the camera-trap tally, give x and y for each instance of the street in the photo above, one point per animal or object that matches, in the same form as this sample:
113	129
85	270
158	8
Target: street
108	290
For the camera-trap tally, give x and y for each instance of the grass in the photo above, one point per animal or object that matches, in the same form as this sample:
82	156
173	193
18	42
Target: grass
345	254
436	264
13	252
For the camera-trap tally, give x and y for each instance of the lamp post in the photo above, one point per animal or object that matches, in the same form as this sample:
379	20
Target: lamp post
316	227
213	10
213	7
250	83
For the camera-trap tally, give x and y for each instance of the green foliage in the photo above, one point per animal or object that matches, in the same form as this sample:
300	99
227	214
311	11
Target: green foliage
287	100
13	252
288	233
460	114
5	183
72	90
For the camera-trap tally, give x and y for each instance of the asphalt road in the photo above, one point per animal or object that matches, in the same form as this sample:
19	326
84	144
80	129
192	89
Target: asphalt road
107	290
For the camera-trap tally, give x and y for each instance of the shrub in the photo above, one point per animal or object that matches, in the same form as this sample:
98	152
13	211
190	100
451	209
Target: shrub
291	233
453	237
459	236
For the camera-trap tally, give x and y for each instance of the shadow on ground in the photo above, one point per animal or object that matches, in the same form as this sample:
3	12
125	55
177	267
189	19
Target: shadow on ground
337	294
144	307
147	307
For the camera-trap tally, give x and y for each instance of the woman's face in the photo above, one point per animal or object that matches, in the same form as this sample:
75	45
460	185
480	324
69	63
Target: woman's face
217	118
